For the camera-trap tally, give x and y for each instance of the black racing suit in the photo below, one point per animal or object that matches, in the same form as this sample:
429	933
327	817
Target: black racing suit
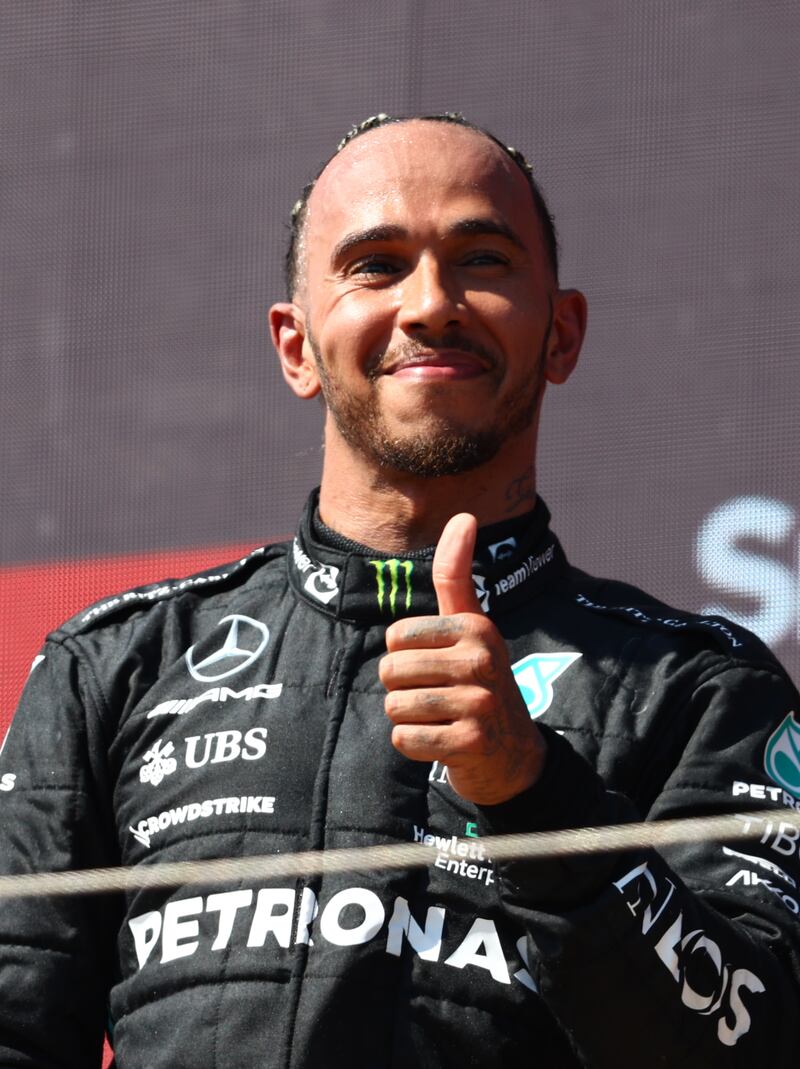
240	712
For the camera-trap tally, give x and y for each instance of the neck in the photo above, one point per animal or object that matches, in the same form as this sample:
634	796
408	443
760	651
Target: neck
392	511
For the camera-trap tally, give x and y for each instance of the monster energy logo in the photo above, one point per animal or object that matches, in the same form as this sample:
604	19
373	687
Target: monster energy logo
395	568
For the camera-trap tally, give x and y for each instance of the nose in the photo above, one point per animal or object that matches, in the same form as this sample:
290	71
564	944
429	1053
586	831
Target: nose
429	300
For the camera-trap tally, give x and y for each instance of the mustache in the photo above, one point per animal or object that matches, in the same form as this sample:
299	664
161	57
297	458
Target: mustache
419	347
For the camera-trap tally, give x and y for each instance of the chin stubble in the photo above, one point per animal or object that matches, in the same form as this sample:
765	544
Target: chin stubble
441	450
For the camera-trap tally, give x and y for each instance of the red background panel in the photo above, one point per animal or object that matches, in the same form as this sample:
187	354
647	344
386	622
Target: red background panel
36	598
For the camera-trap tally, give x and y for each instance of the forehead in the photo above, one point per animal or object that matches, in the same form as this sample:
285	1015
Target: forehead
416	174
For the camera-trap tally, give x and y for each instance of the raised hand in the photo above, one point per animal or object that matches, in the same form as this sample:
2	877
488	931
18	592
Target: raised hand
451	694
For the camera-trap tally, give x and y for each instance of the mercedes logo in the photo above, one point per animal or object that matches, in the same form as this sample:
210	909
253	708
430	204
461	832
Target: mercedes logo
245	641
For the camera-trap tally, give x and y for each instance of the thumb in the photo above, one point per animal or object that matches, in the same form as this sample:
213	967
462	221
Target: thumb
452	566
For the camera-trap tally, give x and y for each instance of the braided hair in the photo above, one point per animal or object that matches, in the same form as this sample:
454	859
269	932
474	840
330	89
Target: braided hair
299	211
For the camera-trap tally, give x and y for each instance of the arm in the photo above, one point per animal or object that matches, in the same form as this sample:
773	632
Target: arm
55	814
687	957
643	958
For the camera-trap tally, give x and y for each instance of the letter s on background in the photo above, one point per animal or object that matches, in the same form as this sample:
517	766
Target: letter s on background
724	564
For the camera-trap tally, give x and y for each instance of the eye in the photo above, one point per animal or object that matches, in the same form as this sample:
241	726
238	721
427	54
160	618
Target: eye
485	258
374	267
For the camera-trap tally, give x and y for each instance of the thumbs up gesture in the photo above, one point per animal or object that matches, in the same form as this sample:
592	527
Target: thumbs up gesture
451	694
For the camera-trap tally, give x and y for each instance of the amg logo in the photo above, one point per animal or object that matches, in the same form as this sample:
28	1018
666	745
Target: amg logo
180	706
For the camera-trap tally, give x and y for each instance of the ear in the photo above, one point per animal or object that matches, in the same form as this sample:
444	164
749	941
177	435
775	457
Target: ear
287	327
566	335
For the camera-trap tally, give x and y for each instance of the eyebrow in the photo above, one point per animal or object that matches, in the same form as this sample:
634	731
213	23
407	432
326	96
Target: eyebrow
468	227
462	228
364	237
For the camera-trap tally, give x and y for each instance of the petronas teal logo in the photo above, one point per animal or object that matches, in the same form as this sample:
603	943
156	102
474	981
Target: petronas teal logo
388	575
782	755
535	675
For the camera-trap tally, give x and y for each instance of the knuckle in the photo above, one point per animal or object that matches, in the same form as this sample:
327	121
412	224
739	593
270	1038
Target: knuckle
484	702
432	698
393	636
386	670
483	662
482	627
399	737
472	736
391	705
413	741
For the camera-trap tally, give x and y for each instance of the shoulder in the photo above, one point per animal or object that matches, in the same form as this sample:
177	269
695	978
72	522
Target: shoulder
626	612
111	654
212	587
691	682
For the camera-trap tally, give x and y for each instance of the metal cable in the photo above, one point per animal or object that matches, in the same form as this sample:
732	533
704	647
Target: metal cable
530	846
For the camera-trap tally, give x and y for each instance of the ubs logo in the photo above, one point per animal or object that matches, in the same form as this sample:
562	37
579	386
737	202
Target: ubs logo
213	748
244	642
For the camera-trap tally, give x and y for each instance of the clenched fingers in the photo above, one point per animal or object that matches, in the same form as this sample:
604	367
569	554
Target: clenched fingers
465	663
450	744
425	632
439	705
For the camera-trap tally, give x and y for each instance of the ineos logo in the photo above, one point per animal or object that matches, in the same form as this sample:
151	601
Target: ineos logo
236	653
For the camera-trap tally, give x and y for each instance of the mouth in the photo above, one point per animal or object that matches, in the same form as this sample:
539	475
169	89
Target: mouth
437	364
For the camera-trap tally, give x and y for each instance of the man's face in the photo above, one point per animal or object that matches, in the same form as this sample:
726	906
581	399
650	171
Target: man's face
428	297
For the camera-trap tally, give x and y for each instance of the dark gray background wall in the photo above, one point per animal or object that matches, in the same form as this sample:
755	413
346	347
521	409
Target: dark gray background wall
151	153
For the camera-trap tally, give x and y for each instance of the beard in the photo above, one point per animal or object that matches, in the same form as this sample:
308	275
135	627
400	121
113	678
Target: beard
440	447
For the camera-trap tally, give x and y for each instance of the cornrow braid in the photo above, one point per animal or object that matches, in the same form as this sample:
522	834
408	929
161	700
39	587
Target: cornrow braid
299	211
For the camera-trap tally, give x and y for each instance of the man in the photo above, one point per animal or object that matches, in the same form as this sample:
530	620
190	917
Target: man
354	688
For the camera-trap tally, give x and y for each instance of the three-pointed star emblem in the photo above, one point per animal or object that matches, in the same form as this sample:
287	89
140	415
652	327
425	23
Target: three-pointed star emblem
245	640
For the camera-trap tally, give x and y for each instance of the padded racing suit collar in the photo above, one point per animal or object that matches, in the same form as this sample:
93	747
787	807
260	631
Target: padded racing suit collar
514	560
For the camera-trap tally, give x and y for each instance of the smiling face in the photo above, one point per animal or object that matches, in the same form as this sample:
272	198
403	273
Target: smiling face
426	300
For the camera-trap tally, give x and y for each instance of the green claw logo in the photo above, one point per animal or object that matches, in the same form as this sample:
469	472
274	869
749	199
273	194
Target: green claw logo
782	755
394	568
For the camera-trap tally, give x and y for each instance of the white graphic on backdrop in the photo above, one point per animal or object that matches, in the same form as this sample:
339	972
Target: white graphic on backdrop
749	549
